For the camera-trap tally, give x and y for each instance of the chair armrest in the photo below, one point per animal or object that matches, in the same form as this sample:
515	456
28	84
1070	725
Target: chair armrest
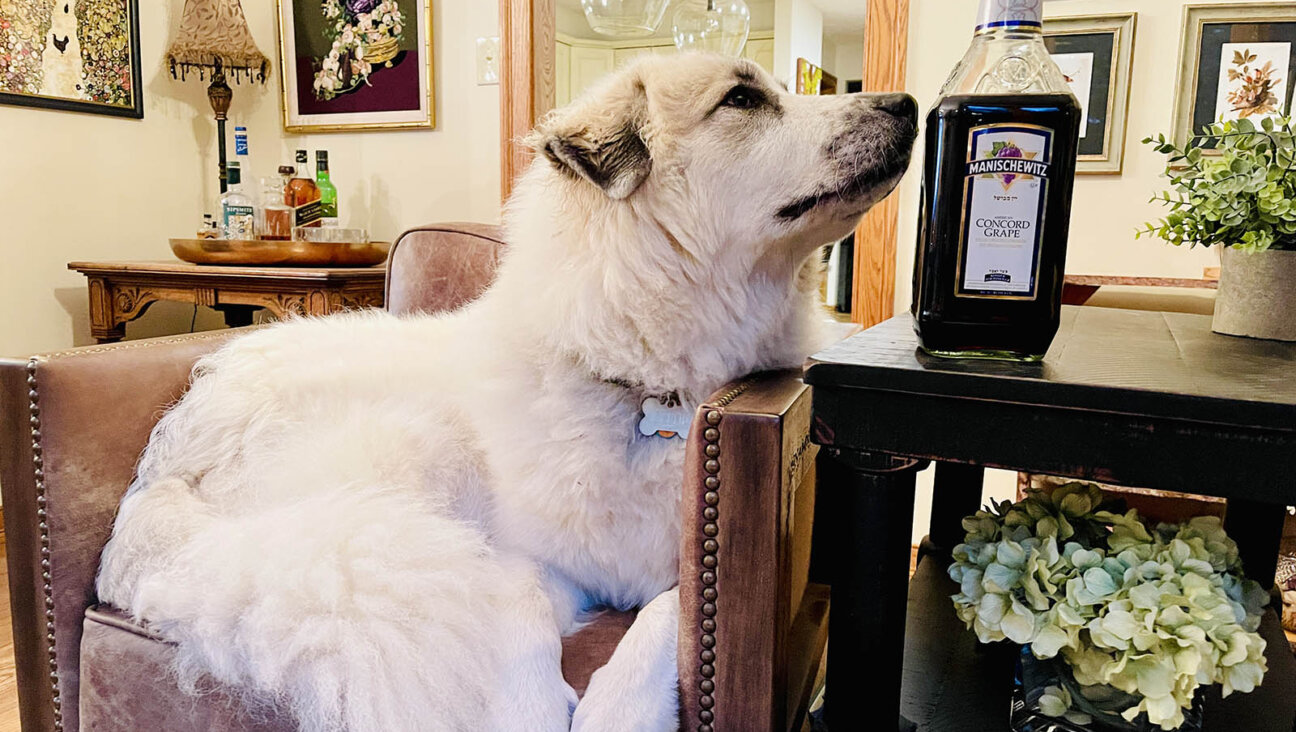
72	425
752	629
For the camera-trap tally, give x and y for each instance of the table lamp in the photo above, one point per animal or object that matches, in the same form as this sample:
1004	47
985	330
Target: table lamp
214	40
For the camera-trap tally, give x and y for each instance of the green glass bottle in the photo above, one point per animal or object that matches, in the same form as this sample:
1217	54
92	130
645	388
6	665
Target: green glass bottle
328	192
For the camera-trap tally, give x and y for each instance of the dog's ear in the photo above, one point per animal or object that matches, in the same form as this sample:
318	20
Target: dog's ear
609	151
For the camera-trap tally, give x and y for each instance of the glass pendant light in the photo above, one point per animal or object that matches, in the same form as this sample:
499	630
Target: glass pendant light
720	26
624	18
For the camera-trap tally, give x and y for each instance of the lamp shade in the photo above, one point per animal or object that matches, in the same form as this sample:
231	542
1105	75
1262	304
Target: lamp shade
214	35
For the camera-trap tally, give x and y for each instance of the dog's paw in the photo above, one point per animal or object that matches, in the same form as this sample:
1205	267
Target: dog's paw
533	707
613	705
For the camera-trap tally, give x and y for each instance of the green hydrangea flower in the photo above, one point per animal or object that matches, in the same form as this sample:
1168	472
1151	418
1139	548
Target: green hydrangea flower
1151	614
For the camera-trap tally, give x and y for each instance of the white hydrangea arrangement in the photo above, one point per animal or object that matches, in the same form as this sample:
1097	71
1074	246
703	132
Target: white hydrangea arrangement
355	27
1153	614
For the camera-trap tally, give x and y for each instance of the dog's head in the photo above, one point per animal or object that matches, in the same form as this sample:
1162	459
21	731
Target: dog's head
718	153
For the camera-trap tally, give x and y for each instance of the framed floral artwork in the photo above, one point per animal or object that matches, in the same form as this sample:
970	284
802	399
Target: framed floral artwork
352	65
1095	52
1236	61
72	55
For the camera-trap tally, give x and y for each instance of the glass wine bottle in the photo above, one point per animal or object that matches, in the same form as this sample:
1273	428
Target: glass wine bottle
996	206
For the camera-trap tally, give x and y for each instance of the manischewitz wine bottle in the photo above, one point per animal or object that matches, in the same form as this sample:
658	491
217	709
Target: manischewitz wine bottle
1001	153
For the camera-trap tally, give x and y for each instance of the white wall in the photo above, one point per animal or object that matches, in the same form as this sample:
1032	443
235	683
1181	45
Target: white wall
75	186
848	64
798	33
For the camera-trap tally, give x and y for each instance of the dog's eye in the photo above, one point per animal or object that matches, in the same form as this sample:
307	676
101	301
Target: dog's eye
742	97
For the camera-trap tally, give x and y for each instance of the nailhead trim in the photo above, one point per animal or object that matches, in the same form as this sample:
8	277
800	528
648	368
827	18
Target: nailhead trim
709	563
38	472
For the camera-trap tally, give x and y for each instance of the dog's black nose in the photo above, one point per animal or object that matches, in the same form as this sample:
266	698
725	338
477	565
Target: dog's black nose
897	105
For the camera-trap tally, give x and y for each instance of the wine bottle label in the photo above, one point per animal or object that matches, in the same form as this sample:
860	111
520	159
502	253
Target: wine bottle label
1005	189
307	213
1010	14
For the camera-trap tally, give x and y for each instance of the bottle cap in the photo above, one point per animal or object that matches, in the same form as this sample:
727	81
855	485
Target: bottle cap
233	173
321	154
240	128
1010	14
287	170
301	156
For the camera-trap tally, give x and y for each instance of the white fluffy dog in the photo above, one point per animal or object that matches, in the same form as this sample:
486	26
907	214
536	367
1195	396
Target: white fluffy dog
388	523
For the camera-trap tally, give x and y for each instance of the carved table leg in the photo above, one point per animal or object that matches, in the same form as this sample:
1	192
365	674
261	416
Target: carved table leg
870	527
105	326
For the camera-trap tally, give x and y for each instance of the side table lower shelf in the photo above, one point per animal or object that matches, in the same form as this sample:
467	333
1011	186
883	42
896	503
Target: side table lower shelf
954	684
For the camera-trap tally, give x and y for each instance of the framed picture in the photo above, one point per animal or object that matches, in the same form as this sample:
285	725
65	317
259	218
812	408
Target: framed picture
73	55
1095	53
351	65
809	77
1236	61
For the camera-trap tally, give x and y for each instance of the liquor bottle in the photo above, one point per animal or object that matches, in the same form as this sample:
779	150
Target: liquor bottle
208	228
244	158
241	152
996	206
328	192
302	195
276	217
238	215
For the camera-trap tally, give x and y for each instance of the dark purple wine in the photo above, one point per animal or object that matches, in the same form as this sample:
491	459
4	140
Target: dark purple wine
992	232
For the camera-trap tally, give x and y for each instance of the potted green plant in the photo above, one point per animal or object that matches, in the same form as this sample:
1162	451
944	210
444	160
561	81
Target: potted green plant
1134	620
1244	200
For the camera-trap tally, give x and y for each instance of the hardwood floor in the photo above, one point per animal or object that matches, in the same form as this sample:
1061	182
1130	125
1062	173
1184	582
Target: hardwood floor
8	682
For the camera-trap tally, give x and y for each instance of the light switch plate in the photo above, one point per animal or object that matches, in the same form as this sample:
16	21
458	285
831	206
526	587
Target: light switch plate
488	53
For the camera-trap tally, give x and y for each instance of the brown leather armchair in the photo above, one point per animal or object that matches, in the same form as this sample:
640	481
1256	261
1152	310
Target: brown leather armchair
72	424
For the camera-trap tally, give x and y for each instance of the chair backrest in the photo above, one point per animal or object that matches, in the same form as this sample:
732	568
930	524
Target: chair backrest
441	267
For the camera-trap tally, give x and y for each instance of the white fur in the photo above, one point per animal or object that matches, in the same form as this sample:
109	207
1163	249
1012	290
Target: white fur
386	523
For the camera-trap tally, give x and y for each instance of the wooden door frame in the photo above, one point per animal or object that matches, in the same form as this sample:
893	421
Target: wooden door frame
886	48
527	34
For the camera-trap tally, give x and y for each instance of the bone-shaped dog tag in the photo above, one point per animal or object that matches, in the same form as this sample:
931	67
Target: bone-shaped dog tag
664	416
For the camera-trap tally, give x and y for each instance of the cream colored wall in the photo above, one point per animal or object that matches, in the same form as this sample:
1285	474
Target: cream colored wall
76	186
1106	209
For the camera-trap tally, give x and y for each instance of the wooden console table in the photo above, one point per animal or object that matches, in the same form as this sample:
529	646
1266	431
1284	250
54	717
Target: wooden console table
1077	289
121	291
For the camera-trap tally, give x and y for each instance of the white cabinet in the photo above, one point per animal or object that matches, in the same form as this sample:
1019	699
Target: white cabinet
562	74
623	56
588	65
762	52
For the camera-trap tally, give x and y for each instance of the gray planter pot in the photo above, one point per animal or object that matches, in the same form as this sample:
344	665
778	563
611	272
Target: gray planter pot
1257	295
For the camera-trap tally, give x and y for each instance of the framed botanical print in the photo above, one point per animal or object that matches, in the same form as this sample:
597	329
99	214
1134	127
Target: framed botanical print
1236	61
1095	53
73	55
350	65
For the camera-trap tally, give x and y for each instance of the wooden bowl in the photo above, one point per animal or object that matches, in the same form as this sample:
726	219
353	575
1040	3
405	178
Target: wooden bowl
263	252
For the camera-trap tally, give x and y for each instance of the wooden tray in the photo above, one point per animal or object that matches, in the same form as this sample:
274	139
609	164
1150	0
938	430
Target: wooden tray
282	253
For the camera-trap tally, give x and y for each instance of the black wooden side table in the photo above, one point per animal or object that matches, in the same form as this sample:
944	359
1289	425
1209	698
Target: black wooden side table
1153	400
